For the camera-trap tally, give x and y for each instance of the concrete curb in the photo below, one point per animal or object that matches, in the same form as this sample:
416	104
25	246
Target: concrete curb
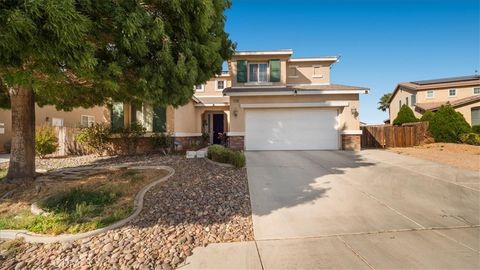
219	163
138	206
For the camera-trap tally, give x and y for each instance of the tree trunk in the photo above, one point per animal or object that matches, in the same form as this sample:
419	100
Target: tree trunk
22	154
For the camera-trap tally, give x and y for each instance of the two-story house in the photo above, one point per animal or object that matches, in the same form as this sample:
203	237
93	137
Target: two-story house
462	93
282	103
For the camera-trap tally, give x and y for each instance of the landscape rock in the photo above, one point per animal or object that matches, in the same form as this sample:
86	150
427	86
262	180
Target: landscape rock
201	203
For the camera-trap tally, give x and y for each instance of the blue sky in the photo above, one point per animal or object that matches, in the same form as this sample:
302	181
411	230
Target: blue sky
381	43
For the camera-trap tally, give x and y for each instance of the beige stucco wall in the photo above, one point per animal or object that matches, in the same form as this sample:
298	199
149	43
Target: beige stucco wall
401	95
305	72
467	111
188	118
258	59
210	87
440	95
346	119
70	118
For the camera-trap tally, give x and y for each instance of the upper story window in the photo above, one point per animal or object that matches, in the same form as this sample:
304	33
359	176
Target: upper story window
87	120
476	91
199	88
430	94
258	72
220	85
452	92
317	71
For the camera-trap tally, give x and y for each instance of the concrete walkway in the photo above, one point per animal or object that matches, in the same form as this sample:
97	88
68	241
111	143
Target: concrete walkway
339	210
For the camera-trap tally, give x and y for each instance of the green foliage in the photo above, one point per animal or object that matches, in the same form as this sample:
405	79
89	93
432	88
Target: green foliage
163	141
383	104
131	135
94	138
3	173
476	129
78	202
427	116
405	115
205	139
447	125
224	155
80	53
470	138
45	141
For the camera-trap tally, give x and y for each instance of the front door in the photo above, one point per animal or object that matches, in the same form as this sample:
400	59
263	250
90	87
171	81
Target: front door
218	127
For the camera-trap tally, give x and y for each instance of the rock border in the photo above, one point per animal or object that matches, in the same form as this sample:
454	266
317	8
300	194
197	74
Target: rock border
138	206
226	165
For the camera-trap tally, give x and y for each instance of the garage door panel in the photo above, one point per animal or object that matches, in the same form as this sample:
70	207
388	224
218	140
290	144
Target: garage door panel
291	129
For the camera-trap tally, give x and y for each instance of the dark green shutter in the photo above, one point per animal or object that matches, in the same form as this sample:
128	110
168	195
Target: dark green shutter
116	116
475	116
241	71
159	119
275	70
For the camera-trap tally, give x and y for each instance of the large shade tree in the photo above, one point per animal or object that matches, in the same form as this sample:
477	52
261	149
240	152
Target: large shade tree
70	53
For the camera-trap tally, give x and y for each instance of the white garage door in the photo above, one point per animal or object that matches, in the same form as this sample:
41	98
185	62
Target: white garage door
291	129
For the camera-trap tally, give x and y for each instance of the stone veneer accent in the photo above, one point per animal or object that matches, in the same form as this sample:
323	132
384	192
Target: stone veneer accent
351	142
187	142
236	142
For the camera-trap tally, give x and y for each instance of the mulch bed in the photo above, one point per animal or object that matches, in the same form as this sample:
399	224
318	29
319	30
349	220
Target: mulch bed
201	204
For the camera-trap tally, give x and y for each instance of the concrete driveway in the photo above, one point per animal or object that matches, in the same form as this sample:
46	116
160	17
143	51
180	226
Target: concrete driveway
367	210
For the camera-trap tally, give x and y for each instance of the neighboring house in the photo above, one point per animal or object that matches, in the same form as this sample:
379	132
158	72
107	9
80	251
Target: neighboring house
462	93
78	117
282	103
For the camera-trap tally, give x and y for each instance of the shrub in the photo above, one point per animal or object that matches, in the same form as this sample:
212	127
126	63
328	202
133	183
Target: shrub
94	138
205	139
221	154
470	138
405	115
131	136
237	159
447	124
476	129
164	142
45	141
427	116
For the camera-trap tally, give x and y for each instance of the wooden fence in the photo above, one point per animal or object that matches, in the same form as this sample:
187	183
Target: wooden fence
387	136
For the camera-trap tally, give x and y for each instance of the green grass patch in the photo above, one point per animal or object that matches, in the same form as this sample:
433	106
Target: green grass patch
74	211
133	175
3	173
92	203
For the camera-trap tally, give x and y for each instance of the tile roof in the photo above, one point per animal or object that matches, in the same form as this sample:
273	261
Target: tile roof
433	106
218	101
293	88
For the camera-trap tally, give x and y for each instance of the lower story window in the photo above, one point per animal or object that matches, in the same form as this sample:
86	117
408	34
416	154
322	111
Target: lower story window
159	119
87	120
116	116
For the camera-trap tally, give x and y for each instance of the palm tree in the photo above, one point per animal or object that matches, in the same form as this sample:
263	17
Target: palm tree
383	104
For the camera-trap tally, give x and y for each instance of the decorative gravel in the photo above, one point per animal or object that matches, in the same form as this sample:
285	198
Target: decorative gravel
202	203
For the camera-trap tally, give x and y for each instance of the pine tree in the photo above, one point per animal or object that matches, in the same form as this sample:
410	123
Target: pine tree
83	53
